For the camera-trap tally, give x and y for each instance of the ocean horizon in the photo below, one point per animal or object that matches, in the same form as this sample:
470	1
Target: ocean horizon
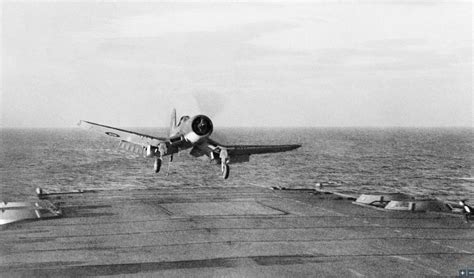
420	161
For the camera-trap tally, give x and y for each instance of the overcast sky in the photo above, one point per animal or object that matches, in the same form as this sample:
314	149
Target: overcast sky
318	64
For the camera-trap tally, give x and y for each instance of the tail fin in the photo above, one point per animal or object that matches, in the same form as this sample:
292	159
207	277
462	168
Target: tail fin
173	122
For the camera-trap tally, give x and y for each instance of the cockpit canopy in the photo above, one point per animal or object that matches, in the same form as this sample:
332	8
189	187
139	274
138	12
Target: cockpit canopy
183	119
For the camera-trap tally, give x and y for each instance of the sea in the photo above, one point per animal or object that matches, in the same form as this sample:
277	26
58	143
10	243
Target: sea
423	162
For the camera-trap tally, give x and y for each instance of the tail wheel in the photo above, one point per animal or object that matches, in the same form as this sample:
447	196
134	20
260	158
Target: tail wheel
157	165
225	171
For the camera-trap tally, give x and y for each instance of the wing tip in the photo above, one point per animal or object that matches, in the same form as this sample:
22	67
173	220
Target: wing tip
295	146
84	124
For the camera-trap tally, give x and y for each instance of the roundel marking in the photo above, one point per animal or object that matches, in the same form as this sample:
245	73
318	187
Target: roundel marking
112	134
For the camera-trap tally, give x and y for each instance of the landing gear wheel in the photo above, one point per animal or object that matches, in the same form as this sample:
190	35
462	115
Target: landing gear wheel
157	165
225	171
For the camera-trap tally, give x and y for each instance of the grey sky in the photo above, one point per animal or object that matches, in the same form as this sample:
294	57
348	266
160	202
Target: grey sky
314	64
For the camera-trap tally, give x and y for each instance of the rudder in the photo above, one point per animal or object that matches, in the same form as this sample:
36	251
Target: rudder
173	122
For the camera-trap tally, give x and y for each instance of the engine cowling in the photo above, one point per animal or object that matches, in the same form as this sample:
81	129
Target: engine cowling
201	127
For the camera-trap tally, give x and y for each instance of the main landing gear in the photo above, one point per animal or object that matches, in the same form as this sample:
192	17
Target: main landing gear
224	156
159	157
157	165
225	170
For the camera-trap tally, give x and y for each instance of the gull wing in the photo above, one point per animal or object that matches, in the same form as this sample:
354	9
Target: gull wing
237	153
237	150
259	149
123	135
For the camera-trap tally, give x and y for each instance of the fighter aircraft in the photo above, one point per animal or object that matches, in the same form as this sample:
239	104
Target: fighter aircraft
189	133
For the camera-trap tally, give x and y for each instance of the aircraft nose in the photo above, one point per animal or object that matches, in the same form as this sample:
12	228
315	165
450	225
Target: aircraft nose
202	125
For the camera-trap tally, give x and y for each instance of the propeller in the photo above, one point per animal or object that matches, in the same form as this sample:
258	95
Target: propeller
209	103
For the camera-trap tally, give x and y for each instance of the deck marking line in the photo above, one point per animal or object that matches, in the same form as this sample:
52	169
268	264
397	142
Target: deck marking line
403	258
356	273
417	264
458	249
